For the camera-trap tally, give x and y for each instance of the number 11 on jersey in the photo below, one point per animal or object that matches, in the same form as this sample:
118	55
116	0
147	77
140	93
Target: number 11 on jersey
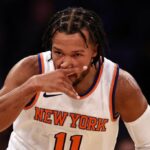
60	139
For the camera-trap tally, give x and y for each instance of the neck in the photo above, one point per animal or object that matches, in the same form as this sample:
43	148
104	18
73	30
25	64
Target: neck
87	81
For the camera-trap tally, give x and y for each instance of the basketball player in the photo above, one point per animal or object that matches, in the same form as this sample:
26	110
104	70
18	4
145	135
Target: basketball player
71	97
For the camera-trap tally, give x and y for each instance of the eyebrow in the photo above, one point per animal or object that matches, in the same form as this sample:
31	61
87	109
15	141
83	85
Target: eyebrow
57	48
75	51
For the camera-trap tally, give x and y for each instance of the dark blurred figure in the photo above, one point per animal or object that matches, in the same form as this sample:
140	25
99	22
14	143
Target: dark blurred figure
143	32
21	26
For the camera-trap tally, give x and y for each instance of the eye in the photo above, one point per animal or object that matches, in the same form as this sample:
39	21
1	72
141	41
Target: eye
58	53
77	55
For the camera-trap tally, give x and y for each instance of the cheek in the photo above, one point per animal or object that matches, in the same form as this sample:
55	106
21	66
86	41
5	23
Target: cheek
57	61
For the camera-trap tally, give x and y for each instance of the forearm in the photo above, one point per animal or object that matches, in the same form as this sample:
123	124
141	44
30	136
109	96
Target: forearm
12	103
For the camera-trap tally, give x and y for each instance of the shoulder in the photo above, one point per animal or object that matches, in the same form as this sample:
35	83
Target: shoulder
130	101
27	66
20	72
126	83
30	62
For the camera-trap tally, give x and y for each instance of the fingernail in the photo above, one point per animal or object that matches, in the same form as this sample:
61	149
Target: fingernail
78	97
85	67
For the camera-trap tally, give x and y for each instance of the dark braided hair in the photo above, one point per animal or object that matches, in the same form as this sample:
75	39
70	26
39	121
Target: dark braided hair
73	20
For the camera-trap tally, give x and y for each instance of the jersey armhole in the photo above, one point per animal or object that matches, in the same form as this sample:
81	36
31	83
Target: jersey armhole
41	70
113	113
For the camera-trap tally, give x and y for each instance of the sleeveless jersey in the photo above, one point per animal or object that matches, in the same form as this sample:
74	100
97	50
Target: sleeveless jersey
55	121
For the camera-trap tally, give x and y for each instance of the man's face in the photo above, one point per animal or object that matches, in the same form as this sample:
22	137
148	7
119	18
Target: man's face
70	50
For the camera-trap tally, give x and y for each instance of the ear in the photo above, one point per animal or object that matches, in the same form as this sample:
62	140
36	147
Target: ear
95	50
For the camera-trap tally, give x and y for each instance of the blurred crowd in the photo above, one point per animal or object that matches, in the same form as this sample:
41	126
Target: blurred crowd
127	26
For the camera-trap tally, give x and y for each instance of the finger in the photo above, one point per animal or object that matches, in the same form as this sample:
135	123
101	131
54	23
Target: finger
69	90
78	71
70	71
69	87
67	80
71	93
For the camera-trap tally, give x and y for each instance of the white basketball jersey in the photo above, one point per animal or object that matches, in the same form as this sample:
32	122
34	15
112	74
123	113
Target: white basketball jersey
55	121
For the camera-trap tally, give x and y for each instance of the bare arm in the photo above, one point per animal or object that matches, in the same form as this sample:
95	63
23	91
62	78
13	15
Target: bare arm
134	110
130	101
17	90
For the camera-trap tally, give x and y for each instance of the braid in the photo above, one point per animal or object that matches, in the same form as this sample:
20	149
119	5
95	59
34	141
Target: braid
73	20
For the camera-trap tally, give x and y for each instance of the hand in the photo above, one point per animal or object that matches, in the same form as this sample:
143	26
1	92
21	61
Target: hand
58	81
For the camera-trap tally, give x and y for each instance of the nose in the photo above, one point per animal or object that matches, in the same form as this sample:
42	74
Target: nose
66	63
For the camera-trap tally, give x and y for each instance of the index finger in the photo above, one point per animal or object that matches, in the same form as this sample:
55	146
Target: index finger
70	71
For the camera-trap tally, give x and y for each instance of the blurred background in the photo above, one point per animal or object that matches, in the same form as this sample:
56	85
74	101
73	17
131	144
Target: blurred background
126	23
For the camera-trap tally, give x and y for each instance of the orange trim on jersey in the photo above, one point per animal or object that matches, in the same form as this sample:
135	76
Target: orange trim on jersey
42	62
38	93
95	86
111	93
